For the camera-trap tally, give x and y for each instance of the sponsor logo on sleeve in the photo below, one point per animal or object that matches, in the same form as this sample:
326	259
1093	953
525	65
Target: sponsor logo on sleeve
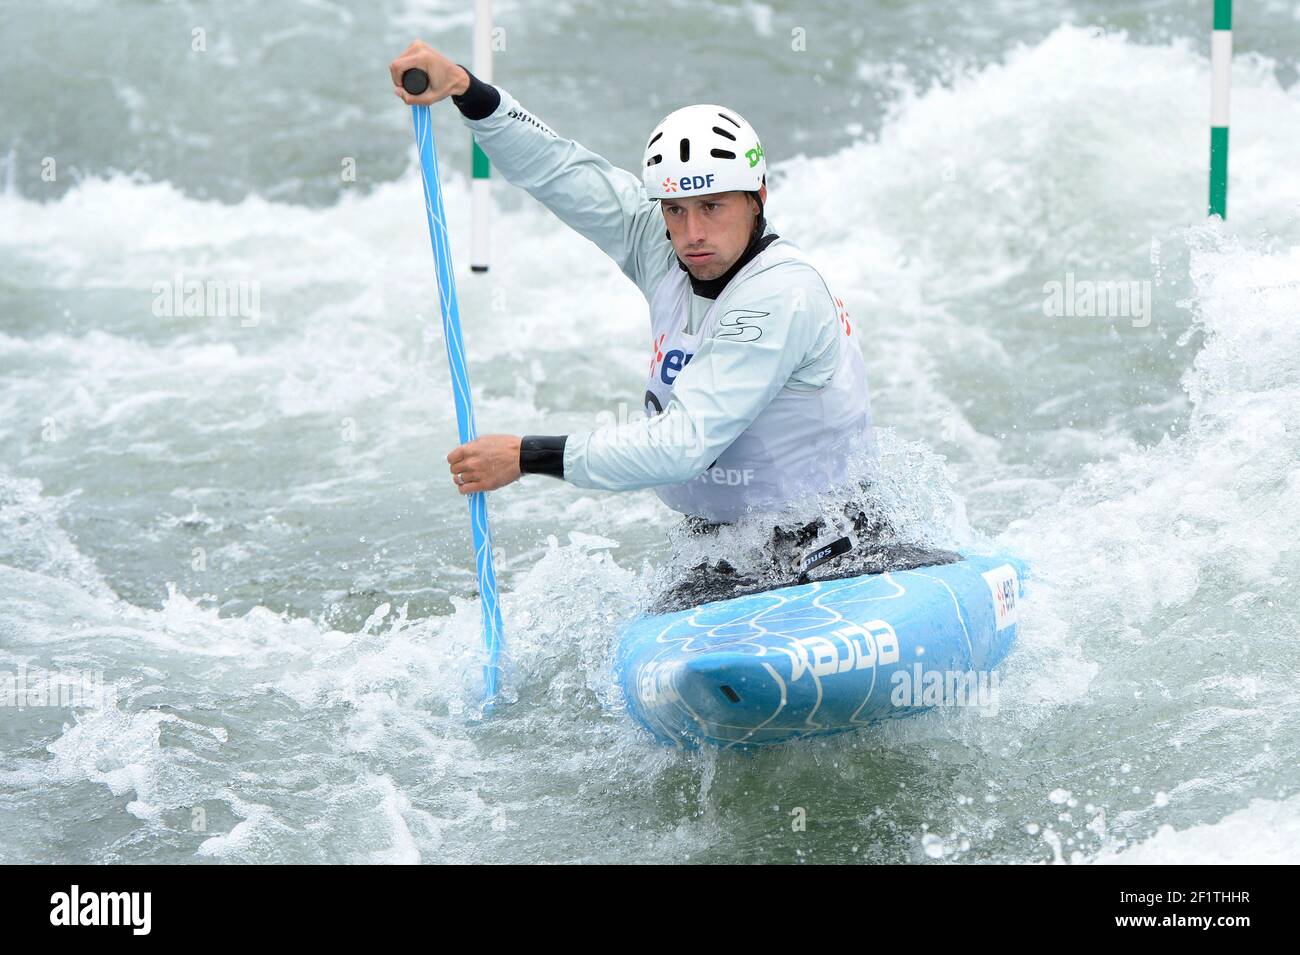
525	118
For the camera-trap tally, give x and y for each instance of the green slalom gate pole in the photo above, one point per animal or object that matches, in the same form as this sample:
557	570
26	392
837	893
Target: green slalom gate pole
481	169
1221	68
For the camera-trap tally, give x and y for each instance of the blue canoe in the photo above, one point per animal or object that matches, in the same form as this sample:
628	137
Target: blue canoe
823	657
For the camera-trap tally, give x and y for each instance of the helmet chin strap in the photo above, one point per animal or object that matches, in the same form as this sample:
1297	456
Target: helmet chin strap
759	223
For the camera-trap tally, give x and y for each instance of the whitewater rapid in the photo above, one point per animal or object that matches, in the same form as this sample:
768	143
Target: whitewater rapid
247	530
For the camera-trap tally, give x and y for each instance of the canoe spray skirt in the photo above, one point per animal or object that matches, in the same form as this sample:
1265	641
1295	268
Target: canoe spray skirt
823	657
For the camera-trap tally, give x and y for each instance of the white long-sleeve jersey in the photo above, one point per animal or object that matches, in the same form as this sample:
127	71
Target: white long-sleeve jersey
753	398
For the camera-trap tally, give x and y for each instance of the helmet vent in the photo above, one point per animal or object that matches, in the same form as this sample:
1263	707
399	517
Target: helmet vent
655	159
654	139
686	150
731	119
722	132
722	154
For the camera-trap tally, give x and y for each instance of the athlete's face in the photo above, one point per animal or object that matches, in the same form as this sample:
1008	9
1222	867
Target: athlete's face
710	232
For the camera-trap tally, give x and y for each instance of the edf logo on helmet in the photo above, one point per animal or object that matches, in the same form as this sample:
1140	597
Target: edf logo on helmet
701	150
687	183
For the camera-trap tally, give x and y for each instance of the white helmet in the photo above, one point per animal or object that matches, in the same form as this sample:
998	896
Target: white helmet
702	149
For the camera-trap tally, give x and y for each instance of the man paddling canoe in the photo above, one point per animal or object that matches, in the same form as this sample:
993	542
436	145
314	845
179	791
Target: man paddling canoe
756	393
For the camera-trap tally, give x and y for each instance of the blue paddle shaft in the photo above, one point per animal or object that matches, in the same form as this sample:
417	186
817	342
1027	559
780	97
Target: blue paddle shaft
468	430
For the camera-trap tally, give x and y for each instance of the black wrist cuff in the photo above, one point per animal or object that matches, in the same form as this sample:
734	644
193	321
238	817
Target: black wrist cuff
479	101
542	454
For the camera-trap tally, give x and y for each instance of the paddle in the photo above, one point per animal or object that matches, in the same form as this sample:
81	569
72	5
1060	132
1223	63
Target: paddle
415	82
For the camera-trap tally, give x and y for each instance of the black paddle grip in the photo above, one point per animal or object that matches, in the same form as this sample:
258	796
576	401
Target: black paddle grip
415	81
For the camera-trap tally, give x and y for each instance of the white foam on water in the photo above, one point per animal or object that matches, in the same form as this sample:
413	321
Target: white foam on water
1266	832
